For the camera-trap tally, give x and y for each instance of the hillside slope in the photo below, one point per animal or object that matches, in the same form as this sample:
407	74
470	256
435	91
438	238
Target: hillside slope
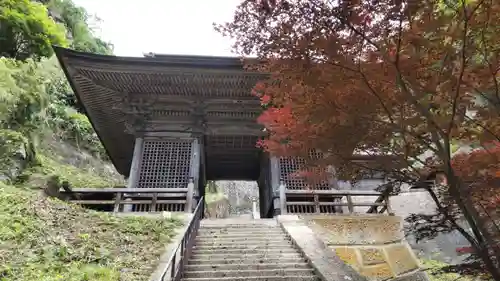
48	240
44	134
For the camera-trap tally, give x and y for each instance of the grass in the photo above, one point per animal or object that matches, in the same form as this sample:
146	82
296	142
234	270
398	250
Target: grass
49	240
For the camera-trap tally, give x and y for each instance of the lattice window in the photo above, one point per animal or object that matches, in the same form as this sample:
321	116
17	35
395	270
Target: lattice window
165	163
233	114
290	165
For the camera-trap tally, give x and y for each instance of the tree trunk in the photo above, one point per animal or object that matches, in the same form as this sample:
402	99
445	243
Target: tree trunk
477	225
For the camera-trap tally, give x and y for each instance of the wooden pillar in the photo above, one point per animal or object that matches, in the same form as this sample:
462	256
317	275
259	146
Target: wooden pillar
190	197
283	209
255	213
194	176
266	190
134	169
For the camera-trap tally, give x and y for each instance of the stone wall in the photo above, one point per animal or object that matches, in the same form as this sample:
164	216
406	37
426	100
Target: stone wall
373	245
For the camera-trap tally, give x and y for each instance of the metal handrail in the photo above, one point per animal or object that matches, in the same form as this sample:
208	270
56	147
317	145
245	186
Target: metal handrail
174	268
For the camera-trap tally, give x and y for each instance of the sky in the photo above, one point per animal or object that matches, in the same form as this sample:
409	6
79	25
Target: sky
162	26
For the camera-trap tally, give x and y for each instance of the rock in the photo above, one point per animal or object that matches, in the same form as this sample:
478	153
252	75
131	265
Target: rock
15	163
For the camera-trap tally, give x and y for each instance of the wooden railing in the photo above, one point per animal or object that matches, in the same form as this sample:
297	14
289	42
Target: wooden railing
149	199
313	200
180	256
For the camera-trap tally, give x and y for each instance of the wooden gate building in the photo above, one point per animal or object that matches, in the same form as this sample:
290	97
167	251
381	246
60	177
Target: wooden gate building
166	120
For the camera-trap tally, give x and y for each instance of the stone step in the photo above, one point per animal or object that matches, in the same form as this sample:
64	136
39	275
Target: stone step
214	229
266	265
257	278
279	237
248	237
243	251
240	235
239	221
247	259
245	273
238	225
230	243
238	256
242	230
243	247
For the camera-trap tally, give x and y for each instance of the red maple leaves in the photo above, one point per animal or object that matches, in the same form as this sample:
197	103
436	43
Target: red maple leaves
380	77
481	169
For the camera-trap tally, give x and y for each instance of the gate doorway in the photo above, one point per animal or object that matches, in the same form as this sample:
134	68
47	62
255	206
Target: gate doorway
234	198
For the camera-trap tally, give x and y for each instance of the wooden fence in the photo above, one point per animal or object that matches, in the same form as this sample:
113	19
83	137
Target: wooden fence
331	201
144	199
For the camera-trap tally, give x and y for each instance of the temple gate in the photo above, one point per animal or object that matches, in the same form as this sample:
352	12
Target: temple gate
170	121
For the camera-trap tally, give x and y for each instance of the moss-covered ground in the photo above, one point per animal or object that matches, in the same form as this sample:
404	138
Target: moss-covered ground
47	240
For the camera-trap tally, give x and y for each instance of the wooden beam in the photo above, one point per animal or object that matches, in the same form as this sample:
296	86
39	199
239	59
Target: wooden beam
110	202
310	203
127	190
333	192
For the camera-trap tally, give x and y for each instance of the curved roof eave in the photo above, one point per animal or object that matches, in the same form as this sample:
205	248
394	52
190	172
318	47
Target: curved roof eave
185	61
60	53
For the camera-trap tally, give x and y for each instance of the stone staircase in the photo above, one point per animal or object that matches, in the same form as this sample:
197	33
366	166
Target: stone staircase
245	249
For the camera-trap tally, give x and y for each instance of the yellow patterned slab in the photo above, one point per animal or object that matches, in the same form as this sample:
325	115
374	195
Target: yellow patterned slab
359	230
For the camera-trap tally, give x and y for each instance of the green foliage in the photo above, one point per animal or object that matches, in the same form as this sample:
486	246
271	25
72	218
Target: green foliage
27	30
43	239
24	100
34	98
46	239
26	93
76	20
76	129
34	93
